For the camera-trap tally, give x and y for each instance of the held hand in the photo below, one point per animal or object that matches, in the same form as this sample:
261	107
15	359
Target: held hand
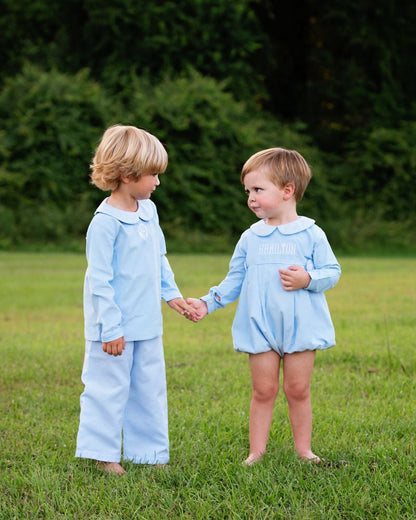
181	306
115	347
199	307
294	278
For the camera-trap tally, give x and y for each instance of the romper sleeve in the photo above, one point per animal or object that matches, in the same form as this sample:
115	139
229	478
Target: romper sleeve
229	289
101	236
323	267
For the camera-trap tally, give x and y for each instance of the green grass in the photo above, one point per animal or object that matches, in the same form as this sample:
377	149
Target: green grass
364	393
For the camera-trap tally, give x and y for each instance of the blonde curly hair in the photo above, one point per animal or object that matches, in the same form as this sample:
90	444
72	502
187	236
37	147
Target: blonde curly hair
126	151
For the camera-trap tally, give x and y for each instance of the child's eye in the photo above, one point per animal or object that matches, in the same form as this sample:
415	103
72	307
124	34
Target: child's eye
256	190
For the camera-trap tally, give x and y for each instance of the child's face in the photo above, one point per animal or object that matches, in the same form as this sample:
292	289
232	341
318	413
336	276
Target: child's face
143	187
265	199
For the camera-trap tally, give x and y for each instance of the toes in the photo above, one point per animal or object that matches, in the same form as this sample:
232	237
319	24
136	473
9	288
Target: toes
253	459
112	468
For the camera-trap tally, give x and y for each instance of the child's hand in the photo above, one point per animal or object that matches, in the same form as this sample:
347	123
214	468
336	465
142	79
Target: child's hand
115	347
294	278
180	305
199	307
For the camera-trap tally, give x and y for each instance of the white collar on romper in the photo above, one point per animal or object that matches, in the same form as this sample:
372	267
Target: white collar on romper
262	229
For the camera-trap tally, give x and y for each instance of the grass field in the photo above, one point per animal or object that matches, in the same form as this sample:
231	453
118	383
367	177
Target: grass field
364	395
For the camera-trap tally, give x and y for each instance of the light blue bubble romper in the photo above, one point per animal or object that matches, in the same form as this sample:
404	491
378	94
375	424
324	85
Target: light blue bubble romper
268	317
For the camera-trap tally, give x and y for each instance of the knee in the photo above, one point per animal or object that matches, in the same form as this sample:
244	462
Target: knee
296	391
265	393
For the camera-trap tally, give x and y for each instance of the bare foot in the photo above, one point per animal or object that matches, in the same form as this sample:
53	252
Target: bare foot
309	456
113	468
253	458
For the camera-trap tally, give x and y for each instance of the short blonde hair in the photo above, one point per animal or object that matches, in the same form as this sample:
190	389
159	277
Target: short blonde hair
126	151
282	167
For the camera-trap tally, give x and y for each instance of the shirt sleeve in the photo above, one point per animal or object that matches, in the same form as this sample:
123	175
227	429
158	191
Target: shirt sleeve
323	267
229	289
169	288
101	236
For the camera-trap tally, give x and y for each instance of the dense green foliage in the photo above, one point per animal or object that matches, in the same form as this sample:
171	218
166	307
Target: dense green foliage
215	81
51	123
44	187
116	38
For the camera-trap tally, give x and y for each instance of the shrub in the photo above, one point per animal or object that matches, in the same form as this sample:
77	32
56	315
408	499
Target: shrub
377	191
383	170
51	125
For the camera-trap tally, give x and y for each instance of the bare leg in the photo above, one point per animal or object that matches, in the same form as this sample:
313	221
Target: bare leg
297	372
265	387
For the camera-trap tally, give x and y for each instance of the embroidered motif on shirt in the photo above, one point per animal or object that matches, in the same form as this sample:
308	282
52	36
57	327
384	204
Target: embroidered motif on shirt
284	248
142	232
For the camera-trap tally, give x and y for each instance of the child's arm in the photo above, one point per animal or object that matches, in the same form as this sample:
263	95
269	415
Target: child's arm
170	291
228	290
101	237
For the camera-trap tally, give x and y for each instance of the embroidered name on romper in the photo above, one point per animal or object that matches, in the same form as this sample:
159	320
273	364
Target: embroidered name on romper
285	248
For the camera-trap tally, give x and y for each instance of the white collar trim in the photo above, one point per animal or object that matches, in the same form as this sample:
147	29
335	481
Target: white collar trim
262	229
145	211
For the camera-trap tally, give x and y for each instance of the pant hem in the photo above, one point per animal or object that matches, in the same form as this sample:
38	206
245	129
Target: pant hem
98	456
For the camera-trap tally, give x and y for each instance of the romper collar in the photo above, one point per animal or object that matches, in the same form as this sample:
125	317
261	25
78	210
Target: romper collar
262	229
145	211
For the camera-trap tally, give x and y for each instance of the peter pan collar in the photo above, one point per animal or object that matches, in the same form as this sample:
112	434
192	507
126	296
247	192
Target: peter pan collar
262	229
145	211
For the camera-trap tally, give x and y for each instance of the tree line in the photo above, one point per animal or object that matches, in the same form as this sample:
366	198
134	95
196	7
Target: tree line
216	81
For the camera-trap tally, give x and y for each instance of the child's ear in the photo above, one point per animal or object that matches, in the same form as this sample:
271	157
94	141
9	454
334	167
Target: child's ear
288	191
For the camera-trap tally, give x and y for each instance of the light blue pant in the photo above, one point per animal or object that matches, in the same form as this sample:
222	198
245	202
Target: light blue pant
124	401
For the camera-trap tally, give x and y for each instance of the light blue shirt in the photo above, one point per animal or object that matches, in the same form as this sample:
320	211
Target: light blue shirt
267	316
127	276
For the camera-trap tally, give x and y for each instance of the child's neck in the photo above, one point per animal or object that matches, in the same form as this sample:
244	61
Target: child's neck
122	201
283	218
